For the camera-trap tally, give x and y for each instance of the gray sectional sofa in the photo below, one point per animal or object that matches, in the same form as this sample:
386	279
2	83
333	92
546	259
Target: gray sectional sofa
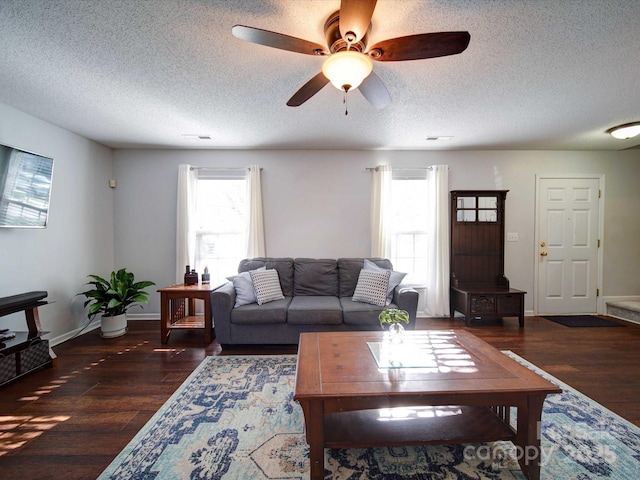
317	295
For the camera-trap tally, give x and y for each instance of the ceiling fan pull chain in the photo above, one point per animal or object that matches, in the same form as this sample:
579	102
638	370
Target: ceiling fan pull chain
346	105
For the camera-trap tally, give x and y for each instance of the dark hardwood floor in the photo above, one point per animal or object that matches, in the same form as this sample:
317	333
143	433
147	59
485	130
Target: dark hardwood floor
70	421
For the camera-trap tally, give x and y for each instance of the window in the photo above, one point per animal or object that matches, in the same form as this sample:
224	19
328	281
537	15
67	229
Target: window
408	225
221	223
25	184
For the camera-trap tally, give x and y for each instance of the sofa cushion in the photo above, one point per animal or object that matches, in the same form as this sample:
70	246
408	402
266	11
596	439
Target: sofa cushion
245	293
315	276
372	287
267	285
349	270
254	314
358	313
284	266
312	309
394	279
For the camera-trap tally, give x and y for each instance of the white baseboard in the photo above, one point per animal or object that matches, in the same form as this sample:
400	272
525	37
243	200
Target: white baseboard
527	313
143	316
74	333
95	324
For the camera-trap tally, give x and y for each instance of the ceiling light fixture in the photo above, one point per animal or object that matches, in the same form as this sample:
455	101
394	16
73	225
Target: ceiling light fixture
439	138
623	132
196	136
347	69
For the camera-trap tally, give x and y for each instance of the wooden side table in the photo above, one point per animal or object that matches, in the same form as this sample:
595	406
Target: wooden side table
178	309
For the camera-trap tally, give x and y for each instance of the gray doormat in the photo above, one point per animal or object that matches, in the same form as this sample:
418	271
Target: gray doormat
583	321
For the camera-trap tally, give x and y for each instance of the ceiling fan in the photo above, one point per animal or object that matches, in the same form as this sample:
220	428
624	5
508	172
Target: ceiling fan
348	64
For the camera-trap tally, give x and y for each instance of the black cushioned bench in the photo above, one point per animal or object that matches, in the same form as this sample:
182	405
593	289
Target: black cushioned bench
26	351
27	302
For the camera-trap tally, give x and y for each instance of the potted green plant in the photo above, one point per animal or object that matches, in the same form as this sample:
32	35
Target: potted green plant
113	298
393	317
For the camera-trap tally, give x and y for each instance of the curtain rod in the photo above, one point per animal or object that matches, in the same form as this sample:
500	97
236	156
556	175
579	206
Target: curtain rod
221	168
375	169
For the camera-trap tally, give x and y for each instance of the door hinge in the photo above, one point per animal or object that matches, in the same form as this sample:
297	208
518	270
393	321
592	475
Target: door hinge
597	292
598	243
599	193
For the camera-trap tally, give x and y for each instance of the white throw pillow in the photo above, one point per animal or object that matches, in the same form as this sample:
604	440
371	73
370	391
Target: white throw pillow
372	287
245	293
394	279
266	285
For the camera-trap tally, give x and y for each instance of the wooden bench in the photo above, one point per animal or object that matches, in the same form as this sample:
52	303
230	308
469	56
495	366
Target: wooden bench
27	302
27	351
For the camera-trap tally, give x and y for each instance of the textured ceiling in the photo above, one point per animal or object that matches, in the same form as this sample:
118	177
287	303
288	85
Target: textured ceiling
538	74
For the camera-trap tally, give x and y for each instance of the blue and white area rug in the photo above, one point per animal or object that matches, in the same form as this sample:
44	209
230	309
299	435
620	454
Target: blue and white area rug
235	418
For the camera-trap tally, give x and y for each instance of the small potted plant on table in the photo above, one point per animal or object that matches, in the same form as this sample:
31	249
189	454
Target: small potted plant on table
112	298
393	317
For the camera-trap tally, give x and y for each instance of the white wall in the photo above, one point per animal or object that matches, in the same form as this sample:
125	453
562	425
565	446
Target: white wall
316	204
79	237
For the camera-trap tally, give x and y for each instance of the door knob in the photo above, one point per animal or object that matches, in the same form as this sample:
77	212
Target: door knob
543	254
542	244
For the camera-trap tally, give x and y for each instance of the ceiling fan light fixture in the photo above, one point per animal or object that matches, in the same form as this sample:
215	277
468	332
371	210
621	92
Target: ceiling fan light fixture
347	69
623	132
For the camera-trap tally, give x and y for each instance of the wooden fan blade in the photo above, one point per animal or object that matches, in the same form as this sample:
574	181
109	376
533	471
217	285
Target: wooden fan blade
308	90
374	91
355	16
277	40
424	45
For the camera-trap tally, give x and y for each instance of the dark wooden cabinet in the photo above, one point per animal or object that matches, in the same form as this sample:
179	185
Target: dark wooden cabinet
479	288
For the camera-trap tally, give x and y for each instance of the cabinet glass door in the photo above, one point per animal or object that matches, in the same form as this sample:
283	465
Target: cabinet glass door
477	209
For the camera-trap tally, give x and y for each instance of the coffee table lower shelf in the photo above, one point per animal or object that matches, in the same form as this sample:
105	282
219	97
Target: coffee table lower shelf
435	425
189	322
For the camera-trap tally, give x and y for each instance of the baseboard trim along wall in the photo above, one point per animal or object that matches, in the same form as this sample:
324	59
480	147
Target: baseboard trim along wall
95	324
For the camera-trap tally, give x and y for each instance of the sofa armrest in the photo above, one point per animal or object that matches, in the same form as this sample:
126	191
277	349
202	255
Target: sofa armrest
406	298
223	300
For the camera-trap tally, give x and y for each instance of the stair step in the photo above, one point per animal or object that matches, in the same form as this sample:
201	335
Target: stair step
627	310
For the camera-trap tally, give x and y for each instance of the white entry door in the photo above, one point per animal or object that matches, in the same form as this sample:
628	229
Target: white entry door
567	244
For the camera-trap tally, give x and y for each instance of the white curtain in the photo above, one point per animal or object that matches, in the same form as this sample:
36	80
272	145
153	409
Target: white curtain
255	231
185	239
380	198
438	241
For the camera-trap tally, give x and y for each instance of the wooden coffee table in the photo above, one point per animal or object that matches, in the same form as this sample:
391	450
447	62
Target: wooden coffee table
346	382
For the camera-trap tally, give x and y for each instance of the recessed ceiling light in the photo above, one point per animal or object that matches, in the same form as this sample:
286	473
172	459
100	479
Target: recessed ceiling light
622	132
196	136
439	138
